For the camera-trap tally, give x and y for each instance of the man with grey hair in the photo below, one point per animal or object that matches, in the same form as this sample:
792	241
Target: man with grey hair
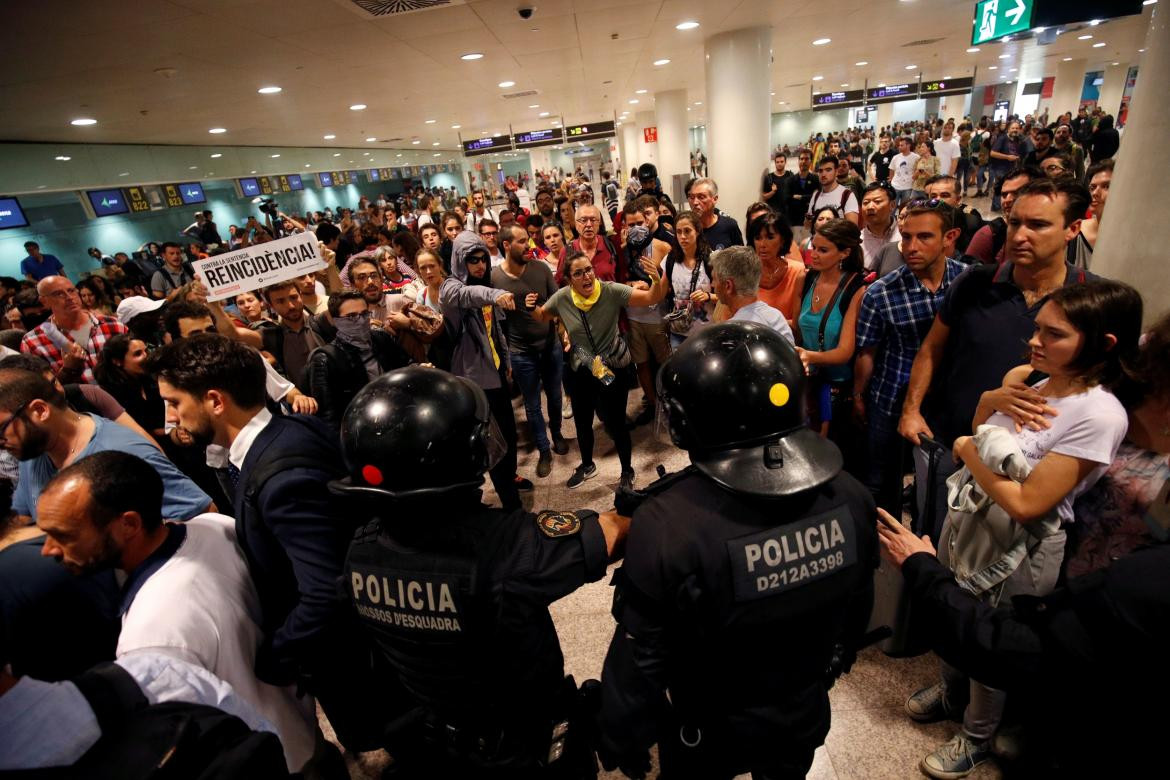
735	273
720	230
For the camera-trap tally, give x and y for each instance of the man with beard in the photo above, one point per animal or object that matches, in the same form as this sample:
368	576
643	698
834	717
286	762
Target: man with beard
546	206
298	333
533	347
45	435
187	591
292	532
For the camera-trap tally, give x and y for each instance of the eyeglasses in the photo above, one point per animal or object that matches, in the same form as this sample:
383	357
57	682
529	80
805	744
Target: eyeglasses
588	220
356	316
62	294
581	273
492	233
8	423
374	276
1053	168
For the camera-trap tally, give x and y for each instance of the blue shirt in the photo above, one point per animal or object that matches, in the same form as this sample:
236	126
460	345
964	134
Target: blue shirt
182	498
48	265
763	314
896	314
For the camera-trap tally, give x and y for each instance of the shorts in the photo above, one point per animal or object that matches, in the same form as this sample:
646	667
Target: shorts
646	339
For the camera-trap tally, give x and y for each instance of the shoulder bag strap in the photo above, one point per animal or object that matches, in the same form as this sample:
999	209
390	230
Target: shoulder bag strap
844	281
588	332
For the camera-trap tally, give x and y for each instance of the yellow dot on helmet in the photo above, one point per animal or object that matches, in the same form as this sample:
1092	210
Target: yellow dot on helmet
778	394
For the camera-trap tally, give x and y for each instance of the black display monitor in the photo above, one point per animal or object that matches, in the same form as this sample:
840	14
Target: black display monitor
11	214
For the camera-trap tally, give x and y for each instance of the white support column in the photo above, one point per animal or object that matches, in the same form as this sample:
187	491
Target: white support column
1114	85
1067	88
738	68
1124	251
670	112
885	115
630	134
647	152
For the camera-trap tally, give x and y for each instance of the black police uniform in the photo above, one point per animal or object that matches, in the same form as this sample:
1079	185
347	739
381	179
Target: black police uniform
730	599
455	595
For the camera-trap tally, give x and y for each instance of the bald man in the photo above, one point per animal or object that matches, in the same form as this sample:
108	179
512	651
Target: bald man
73	336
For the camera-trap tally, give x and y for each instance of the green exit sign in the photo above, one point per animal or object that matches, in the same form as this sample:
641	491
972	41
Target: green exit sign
999	18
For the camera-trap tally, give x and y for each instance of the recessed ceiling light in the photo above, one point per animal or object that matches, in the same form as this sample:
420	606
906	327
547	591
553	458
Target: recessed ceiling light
329	137
358	107
274	156
783	103
1084	37
662	62
217	130
881	84
192	167
973	50
1067	59
911	67
124	173
371	139
506	84
63	158
456	127
634	102
688	109
993	67
861	63
1117	63
335	154
437	154
308	165
817	78
364	154
1098	45
253	171
435	143
946	77
639	92
686	25
822	41
83	122
543	113
698	102
398	155
474	55
416	141
216	156
535	105
1012	70
1005	56
844	85
1094	22
268	90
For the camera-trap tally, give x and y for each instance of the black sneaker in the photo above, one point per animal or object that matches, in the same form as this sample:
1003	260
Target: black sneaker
644	417
522	484
627	481
560	445
581	474
544	465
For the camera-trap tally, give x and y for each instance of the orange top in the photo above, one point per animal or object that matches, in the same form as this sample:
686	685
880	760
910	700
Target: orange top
785	294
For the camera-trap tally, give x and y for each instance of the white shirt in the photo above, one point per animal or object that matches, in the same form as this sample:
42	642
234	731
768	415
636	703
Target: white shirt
833	198
1089	426
766	315
872	243
474	218
201	606
218	457
902	166
947	152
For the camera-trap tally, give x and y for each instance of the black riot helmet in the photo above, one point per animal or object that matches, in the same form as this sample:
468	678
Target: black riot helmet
734	393
417	431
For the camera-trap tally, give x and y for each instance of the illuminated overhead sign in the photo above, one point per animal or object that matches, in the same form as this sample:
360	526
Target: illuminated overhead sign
827	100
534	138
891	93
492	143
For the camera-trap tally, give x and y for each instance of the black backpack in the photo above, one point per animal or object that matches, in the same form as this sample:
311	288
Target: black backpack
171	740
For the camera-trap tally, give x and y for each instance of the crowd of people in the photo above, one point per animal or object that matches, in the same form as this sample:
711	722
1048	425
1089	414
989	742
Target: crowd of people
139	418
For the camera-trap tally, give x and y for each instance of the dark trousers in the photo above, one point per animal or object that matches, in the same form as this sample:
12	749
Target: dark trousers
532	370
883	474
721	756
503	474
609	403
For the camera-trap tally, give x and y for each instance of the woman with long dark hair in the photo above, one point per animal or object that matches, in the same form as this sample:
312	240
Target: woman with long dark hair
690	304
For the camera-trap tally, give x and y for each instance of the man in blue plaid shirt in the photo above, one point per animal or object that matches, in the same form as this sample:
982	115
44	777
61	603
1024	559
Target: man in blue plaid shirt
896	314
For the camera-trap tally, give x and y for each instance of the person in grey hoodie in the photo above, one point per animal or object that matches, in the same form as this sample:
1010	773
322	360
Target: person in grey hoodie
471	311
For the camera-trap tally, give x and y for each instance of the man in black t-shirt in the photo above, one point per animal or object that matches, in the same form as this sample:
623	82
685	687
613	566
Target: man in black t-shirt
720	230
880	160
776	189
805	186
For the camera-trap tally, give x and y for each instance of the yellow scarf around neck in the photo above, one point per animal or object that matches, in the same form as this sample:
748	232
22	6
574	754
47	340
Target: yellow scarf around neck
585	304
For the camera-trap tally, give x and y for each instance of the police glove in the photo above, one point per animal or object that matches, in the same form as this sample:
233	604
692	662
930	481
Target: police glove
627	500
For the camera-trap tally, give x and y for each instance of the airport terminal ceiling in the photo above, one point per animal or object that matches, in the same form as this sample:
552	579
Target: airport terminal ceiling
170	71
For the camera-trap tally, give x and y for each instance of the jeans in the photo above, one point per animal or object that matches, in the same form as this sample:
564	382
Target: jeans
993	177
962	170
884	469
531	370
981	176
903	196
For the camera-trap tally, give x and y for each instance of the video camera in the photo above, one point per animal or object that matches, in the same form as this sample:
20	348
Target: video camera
268	206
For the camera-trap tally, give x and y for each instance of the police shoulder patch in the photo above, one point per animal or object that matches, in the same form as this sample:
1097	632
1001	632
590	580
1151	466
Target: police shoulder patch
554	524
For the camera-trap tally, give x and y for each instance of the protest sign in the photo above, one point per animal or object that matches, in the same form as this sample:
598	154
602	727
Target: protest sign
253	267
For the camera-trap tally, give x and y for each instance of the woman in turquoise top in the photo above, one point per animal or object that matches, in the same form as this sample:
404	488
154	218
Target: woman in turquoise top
829	304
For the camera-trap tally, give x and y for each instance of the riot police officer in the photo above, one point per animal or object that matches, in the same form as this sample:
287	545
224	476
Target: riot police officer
455	594
742	573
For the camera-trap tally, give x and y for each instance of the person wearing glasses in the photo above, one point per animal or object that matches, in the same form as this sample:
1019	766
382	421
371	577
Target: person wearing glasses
1058	166
589	309
591	243
358	355
72	337
489	231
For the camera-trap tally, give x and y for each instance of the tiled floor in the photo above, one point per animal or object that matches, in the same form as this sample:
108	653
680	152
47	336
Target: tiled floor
870	739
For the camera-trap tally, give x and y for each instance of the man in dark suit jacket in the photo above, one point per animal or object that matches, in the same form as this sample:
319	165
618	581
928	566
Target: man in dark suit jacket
294	534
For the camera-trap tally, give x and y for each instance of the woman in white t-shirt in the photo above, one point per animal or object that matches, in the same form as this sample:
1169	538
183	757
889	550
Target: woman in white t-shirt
1069	427
692	303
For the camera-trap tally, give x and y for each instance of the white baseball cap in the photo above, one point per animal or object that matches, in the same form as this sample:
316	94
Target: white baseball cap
131	307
